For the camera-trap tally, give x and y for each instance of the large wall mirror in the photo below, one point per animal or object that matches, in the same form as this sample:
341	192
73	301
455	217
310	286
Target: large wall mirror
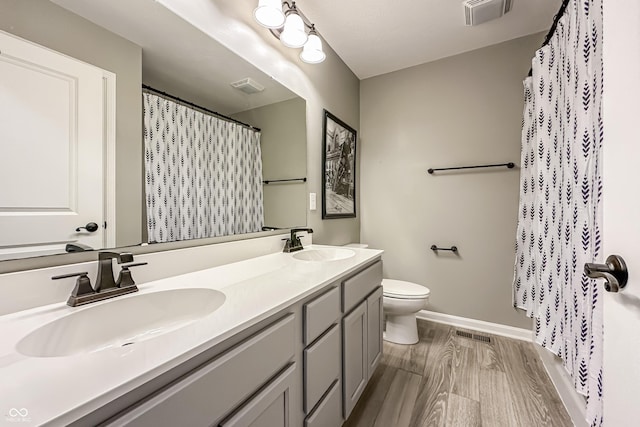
142	179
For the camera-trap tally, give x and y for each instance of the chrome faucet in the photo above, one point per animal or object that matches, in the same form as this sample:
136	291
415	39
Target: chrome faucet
106	286
294	244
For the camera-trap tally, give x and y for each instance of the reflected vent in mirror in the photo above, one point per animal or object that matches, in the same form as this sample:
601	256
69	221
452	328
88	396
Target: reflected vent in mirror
248	86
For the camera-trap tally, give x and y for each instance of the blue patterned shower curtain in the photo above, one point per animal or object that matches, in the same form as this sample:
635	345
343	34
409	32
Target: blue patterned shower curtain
203	175
560	198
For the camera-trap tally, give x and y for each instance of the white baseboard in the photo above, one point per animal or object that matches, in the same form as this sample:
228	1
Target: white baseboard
574	403
477	325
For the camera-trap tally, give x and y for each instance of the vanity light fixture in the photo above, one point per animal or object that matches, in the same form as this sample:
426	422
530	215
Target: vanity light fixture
312	51
289	25
269	13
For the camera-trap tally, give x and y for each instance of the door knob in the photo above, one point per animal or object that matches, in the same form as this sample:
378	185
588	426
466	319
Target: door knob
614	271
90	227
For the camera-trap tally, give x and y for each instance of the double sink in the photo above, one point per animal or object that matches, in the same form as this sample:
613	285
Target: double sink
135	318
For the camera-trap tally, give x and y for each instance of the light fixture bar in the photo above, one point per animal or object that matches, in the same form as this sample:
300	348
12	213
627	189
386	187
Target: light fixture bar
289	25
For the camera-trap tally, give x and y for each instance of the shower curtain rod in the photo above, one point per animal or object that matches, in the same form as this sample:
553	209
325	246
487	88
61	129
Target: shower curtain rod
552	30
191	104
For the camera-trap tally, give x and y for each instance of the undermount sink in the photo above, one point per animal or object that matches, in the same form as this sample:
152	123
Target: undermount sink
328	254
120	322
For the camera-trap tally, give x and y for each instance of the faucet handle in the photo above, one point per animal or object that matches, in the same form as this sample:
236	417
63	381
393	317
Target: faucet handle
124	278
83	284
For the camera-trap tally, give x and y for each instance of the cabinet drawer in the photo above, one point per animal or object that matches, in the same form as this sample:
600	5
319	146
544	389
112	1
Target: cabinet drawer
269	408
322	365
327	414
356	288
321	313
211	391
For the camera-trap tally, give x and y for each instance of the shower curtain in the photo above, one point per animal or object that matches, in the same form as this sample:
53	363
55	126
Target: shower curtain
203	174
560	210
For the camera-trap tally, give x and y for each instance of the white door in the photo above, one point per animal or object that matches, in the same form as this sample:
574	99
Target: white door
51	150
621	209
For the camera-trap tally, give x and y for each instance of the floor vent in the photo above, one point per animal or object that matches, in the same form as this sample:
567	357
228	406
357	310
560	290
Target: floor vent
482	338
476	337
464	334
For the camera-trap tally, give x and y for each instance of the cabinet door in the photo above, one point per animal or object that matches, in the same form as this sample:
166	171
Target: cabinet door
269	408
354	336
374	330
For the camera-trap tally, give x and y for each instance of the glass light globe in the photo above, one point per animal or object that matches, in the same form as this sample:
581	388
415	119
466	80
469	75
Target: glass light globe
312	52
269	13
294	34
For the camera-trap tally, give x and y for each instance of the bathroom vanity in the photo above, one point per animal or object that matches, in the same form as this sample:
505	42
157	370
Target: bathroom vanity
293	343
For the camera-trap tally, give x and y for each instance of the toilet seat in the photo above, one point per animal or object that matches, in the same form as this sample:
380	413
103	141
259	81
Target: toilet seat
403	290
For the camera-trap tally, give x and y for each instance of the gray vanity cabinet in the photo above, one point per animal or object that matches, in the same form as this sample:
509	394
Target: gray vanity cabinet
361	332
210	392
305	366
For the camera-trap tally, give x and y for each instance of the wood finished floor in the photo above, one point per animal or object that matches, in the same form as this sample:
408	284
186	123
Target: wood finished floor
453	381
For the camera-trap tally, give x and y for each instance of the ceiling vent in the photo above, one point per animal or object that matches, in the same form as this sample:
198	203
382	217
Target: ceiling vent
478	11
248	85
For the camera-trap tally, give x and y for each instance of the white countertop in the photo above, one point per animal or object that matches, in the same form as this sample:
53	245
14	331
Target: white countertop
60	390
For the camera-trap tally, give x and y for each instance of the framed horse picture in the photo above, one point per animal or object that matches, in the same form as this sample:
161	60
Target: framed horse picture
339	169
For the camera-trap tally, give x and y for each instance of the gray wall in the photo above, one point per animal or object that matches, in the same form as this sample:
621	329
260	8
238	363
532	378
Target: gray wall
462	110
51	26
284	153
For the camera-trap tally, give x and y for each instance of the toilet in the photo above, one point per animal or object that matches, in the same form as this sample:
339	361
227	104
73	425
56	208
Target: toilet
401	301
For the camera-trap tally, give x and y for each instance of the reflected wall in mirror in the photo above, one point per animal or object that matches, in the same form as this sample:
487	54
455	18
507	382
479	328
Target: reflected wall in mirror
122	45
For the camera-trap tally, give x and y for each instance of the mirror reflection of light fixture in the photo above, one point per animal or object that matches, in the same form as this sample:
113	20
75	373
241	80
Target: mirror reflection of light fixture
290	27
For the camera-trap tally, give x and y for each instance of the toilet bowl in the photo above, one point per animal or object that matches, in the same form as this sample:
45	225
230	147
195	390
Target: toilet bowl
401	301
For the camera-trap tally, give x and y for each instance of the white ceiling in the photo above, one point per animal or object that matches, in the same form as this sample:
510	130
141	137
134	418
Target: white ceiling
379	36
372	37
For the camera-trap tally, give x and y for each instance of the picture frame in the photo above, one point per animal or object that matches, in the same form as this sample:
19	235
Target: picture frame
338	168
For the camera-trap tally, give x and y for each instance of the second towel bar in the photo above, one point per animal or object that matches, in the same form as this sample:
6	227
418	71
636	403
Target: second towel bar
436	249
509	165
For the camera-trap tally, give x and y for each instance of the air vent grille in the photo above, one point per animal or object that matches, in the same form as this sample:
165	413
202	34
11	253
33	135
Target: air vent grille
476	337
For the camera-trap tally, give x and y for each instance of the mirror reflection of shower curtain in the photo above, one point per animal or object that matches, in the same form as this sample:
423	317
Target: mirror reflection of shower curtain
560	215
203	174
